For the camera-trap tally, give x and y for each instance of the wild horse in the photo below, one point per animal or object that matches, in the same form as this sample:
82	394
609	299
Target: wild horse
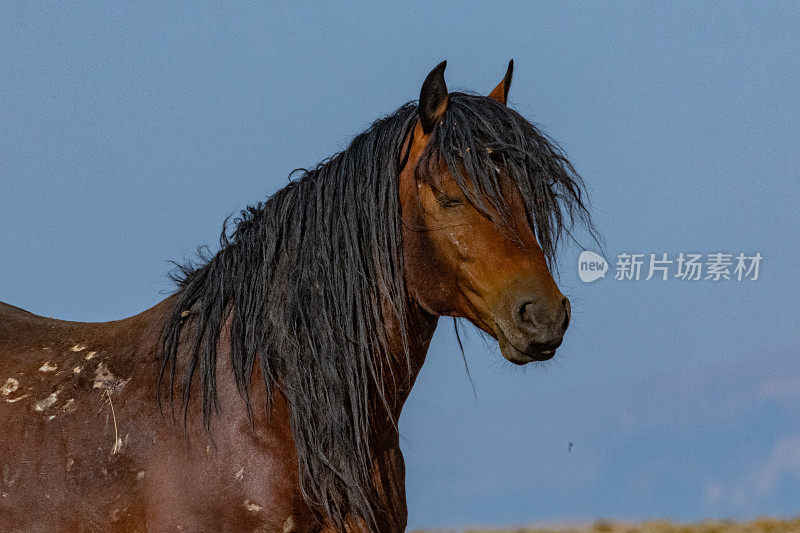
264	393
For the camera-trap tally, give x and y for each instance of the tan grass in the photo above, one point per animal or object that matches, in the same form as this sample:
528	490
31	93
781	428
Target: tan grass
760	525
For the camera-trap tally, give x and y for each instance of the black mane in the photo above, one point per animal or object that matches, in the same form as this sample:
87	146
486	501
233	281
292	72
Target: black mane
307	276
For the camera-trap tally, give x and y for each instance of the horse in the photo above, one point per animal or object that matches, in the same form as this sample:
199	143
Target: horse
263	394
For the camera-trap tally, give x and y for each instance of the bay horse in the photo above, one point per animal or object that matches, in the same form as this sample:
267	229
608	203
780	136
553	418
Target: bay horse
264	394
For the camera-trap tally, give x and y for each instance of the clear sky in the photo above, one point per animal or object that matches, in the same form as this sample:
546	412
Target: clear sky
127	134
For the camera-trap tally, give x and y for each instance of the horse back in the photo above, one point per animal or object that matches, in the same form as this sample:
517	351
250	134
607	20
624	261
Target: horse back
44	352
85	446
59	434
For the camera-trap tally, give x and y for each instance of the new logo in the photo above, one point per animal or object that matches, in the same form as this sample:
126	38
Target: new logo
591	266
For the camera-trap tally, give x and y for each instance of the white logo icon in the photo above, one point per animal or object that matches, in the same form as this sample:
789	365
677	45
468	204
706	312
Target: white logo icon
591	266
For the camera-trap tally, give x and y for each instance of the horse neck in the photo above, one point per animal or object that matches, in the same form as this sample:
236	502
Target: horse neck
420	326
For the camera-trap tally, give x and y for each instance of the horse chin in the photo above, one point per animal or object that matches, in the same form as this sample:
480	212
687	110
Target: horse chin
518	357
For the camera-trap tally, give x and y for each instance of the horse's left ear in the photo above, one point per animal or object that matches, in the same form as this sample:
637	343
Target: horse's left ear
500	93
433	98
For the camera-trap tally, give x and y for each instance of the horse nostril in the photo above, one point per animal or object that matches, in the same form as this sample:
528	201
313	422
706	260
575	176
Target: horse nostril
526	314
532	317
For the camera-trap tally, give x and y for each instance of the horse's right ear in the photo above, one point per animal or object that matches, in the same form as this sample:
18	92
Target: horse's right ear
433	98
500	93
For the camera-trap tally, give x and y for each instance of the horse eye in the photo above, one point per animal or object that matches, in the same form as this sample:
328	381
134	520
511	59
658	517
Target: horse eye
448	201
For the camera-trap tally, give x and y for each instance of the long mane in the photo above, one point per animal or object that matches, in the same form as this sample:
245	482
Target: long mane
308	278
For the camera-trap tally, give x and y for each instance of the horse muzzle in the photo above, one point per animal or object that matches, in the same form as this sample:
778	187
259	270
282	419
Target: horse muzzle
534	332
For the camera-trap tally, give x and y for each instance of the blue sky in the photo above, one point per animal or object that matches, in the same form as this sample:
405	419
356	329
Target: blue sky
128	133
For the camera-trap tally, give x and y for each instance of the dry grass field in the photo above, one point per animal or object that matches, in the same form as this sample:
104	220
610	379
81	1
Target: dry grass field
761	525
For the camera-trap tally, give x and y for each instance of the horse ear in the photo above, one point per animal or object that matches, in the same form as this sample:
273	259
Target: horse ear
433	98
500	93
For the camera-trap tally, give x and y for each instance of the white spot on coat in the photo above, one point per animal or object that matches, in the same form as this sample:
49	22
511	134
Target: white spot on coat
78	348
9	477
239	475
289	525
117	447
11	385
45	403
77	370
104	379
90	355
140	475
69	406
47	367
252	507
18	398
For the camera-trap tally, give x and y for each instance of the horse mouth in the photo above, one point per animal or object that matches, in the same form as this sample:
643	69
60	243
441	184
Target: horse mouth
517	356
